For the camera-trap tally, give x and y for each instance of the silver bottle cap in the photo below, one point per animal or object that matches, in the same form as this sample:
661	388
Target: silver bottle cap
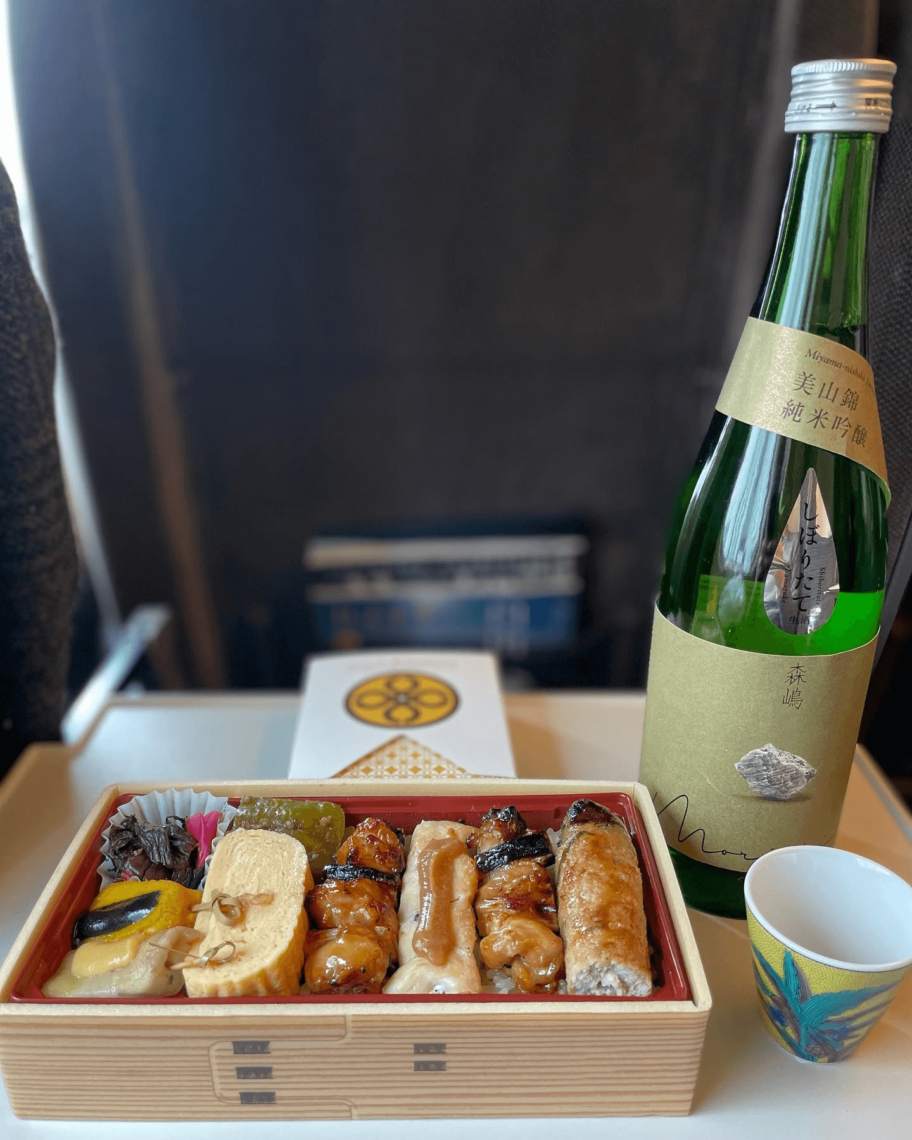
841	95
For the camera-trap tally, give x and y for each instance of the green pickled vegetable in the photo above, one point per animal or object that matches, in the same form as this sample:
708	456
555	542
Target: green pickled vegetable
315	823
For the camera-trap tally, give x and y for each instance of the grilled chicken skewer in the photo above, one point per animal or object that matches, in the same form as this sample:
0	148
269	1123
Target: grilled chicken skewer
355	910
515	905
437	931
600	901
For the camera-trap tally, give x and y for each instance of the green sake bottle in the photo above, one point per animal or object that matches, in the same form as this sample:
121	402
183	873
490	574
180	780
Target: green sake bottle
769	605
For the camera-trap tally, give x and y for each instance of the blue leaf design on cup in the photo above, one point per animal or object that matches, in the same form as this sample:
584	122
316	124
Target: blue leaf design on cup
817	1027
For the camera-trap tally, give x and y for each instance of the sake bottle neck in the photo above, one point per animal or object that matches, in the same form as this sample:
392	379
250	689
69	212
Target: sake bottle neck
818	276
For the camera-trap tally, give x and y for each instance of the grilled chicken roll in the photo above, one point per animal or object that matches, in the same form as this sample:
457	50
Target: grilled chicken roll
515	906
436	921
354	908
600	905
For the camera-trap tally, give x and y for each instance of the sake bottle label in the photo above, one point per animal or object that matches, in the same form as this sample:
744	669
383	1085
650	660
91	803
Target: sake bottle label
808	388
802	584
745	752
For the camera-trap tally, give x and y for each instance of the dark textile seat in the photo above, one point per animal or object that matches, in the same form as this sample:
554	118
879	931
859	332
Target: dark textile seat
37	551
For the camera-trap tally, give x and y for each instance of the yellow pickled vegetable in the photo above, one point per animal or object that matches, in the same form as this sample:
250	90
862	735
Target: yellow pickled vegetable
136	907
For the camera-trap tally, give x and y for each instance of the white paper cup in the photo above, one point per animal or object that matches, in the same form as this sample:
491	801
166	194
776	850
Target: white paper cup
831	938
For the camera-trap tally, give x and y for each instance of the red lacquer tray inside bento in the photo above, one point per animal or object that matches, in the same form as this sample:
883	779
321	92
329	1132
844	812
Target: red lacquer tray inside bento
540	812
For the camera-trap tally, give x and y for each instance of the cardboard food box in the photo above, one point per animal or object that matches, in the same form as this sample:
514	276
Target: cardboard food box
359	1056
443	700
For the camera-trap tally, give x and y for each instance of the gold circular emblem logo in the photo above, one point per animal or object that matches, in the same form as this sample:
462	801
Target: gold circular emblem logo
402	700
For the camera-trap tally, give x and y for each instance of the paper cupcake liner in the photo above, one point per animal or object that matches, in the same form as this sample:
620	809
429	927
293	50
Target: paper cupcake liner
154	808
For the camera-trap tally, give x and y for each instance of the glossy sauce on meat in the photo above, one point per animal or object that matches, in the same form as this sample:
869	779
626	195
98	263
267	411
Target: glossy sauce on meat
362	903
357	939
373	844
455	891
517	912
434	938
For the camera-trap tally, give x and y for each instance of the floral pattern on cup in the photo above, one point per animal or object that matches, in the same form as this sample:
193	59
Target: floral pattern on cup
820	1013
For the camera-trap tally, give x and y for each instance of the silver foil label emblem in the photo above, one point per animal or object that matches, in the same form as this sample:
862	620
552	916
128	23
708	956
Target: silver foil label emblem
802	584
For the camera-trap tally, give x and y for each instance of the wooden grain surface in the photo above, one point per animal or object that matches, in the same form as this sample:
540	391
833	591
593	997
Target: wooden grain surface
373	1065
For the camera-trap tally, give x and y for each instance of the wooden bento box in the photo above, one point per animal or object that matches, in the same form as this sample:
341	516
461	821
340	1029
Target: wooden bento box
359	1056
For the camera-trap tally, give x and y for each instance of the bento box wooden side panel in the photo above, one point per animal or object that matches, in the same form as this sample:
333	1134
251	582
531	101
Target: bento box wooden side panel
377	1064
52	893
696	975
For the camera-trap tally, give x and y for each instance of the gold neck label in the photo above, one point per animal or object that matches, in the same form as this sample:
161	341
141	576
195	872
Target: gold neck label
807	388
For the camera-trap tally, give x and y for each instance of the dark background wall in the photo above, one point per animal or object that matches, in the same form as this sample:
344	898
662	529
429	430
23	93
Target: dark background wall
319	264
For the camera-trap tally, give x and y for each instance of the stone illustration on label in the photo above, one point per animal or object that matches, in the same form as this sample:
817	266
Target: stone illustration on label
802	584
774	773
